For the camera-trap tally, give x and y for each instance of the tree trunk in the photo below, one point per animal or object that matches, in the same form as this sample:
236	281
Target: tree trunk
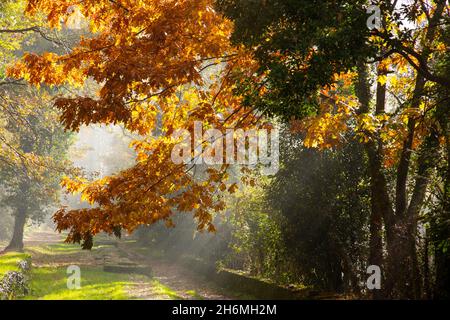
402	251
426	267
403	271
379	205
16	243
378	193
442	286
441	229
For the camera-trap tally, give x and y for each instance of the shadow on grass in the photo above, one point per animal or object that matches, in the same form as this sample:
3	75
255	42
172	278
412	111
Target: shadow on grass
51	284
9	261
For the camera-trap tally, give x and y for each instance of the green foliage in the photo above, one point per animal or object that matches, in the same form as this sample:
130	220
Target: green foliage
309	224
437	215
300	45
11	18
256	236
323	199
34	146
40	147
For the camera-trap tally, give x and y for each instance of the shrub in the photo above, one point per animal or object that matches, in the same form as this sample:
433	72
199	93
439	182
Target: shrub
15	283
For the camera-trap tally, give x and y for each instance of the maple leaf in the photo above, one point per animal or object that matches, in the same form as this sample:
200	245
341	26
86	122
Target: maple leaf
160	66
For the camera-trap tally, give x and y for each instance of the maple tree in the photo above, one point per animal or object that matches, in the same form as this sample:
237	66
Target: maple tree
161	65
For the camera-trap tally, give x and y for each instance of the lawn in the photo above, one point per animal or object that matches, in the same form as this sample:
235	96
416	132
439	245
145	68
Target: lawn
49	275
51	284
9	261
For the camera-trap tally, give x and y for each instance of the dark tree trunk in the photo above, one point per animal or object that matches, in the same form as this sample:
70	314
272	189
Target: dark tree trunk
426	267
402	251
403	271
379	204
377	179
16	243
441	231
442	287
399	263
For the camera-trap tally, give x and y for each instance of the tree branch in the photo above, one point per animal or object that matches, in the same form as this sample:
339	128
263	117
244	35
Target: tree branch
404	163
33	29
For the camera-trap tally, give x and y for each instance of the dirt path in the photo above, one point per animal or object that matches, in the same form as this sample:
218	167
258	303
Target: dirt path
169	281
47	249
42	237
183	282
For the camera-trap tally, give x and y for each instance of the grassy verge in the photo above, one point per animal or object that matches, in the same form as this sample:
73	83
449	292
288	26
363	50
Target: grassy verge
164	291
50	283
195	295
9	261
55	249
49	275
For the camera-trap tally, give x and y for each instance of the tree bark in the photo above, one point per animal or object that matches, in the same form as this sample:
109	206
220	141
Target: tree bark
403	261
379	198
426	267
441	228
403	267
20	218
16	243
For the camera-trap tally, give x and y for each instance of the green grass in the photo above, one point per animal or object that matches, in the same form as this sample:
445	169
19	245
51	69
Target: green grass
162	290
48	277
51	284
55	249
195	295
63	249
9	261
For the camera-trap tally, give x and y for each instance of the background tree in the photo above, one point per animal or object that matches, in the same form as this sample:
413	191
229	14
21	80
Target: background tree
438	232
33	153
31	180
